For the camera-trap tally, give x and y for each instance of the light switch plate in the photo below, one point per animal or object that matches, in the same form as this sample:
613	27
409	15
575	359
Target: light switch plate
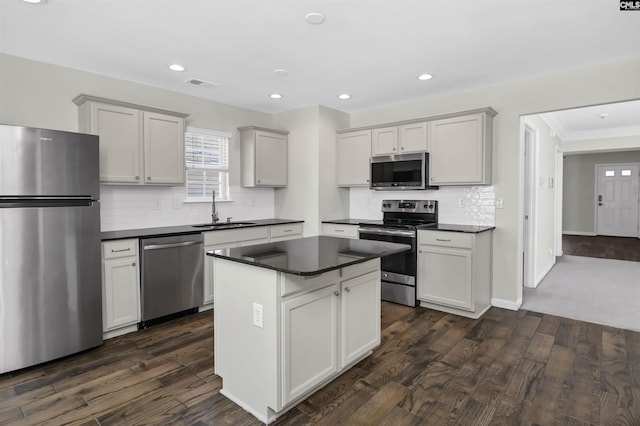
257	315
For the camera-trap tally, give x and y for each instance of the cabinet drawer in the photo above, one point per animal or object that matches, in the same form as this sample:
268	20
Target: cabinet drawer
338	230
292	284
236	235
446	239
119	248
288	230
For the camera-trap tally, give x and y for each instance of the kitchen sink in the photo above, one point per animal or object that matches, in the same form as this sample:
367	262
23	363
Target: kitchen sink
222	224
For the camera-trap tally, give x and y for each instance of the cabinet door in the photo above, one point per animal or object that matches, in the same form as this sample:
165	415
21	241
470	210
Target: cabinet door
209	271
444	276
121	290
412	137
120	134
360	317
163	149
271	159
354	153
385	140
456	150
310	340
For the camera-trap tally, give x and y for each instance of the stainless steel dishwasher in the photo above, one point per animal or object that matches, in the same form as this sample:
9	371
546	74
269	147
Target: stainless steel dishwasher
172	275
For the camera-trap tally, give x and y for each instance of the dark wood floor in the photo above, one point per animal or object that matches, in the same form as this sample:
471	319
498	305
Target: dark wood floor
508	368
621	248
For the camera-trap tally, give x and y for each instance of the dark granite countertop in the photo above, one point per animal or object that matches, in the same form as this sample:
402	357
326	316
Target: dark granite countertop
310	256
351	221
186	229
470	229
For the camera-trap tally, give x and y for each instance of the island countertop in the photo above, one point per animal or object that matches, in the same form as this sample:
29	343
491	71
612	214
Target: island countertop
310	256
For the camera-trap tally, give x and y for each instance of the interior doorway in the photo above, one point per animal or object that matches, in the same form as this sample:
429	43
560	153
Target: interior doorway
529	202
617	200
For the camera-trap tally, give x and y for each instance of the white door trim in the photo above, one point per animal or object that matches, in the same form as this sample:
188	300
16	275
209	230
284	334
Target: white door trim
530	138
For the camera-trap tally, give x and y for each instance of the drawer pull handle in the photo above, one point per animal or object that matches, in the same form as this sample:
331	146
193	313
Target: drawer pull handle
336	293
133	264
120	250
443	240
339	230
347	289
287	230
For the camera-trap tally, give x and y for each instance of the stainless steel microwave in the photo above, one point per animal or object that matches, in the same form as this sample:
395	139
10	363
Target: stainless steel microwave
400	172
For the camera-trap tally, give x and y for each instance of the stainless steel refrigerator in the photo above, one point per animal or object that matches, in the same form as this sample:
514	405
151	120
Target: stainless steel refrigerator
50	277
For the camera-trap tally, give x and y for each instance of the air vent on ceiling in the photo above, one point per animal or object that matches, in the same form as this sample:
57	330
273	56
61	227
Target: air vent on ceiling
200	83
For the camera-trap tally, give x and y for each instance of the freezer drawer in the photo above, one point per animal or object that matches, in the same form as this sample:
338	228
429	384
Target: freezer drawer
50	283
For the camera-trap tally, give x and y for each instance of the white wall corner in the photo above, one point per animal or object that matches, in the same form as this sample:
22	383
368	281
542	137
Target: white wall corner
506	304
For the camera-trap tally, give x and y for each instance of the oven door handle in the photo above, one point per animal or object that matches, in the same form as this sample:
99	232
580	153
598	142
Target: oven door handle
383	231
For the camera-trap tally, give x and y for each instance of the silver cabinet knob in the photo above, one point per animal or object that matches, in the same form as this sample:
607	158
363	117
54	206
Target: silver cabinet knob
432	178
336	293
133	264
148	177
137	177
347	289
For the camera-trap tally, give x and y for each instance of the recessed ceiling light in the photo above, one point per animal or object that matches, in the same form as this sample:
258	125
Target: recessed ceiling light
275	96
314	18
425	77
280	72
344	96
603	115
35	1
176	67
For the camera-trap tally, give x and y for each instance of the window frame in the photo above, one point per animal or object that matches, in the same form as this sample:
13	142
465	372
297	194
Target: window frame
224	194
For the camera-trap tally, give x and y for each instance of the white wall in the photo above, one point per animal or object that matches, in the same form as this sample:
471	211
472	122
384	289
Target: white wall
579	188
36	94
601	144
588	86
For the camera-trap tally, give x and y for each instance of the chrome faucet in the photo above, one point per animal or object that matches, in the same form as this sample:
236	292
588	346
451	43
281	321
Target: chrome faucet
214	212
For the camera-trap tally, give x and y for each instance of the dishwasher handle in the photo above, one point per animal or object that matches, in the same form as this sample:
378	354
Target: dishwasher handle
171	245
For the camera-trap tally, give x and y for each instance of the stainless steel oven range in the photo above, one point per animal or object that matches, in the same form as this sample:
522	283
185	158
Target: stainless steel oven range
401	219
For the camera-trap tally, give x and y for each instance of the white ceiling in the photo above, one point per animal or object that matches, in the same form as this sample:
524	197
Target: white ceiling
372	49
601	121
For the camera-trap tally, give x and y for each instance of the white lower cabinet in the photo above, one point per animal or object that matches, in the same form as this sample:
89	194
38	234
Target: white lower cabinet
285	336
340	230
229	238
454	272
120	287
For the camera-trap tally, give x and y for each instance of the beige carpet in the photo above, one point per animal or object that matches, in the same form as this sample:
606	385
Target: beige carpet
602	291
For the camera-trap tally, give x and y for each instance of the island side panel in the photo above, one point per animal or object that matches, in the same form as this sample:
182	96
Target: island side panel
246	356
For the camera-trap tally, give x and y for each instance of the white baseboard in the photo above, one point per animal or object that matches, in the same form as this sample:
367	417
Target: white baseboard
586	234
506	304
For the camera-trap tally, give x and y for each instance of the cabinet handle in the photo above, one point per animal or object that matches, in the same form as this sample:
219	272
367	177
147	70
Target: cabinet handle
432	178
402	148
394	149
420	251
336	293
137	177
347	289
120	250
367	180
148	177
443	240
259	180
133	264
339	230
287	230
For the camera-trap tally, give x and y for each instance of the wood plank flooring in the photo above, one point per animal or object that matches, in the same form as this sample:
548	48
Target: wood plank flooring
621	248
508	368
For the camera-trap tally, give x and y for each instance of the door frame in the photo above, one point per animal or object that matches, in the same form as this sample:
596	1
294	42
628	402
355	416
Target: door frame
530	138
595	194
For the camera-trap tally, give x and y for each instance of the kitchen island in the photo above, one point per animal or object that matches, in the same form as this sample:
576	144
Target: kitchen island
291	316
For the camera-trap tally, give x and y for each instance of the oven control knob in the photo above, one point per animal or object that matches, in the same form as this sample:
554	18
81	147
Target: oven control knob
426	206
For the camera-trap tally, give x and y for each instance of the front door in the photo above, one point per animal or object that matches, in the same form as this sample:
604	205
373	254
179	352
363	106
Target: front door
617	199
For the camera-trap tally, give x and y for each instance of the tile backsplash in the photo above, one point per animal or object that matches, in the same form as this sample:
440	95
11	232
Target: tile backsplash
131	207
457	205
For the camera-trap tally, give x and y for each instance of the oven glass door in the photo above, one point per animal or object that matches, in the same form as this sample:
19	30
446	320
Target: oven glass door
403	263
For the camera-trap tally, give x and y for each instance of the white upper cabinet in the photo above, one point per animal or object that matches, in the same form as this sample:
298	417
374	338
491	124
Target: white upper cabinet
163	155
402	139
412	137
263	157
138	145
385	140
460	150
353	154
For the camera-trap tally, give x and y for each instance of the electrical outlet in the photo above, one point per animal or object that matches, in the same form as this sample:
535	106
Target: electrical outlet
499	203
550	252
156	204
460	202
177	204
257	315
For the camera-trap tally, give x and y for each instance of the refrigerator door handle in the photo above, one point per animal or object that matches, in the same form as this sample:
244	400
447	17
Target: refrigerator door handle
14	202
